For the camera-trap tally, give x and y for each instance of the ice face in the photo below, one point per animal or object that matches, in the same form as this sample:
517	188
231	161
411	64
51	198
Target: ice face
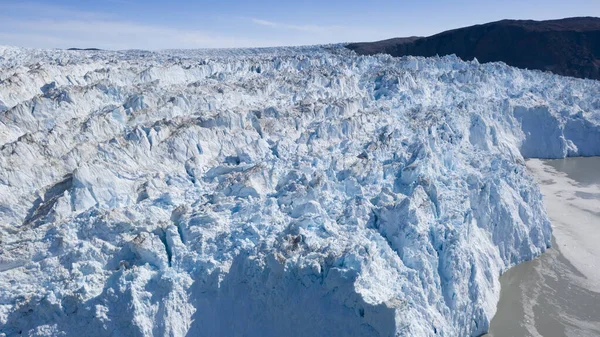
273	192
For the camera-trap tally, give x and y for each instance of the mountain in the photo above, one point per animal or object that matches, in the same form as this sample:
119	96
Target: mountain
568	47
271	192
84	49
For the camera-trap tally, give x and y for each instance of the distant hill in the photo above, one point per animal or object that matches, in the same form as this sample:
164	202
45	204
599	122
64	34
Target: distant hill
84	49
569	47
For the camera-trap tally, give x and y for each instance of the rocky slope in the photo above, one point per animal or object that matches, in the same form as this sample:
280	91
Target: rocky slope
569	47
276	192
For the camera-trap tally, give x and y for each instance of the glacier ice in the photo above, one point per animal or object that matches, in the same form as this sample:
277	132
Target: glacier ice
271	192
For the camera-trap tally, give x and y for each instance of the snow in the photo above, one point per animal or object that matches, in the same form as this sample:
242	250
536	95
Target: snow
271	192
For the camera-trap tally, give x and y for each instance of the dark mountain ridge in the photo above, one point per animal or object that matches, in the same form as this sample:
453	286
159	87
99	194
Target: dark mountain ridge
569	47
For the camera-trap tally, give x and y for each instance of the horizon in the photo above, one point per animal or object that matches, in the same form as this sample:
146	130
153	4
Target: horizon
183	24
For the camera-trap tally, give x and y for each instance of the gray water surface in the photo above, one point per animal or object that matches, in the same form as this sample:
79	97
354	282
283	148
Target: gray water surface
550	296
585	170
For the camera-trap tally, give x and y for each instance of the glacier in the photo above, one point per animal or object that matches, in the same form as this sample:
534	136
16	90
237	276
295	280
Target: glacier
298	191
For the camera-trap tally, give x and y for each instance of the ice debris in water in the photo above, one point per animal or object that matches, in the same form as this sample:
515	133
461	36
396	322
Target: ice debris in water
271	192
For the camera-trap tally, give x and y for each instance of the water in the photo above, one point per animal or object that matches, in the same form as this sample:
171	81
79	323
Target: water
585	171
558	294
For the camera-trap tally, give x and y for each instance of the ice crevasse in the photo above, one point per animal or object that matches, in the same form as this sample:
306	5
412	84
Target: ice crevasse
271	192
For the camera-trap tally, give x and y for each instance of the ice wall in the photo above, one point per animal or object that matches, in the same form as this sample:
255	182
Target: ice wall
273	192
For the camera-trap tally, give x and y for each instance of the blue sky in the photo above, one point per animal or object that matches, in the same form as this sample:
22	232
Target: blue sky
153	24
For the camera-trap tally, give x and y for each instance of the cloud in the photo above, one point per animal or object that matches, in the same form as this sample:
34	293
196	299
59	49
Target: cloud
36	25
263	22
42	26
111	35
301	28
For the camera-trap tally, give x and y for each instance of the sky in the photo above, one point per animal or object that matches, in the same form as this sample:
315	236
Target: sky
154	24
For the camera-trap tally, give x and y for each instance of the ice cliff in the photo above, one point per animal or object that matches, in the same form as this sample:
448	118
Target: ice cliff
273	192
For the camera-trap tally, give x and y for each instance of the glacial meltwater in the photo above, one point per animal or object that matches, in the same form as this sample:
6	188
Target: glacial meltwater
558	294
